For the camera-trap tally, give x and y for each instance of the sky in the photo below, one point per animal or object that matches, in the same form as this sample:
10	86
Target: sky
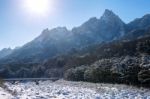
18	25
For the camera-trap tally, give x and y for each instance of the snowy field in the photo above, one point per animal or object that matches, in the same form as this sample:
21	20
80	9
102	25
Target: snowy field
71	90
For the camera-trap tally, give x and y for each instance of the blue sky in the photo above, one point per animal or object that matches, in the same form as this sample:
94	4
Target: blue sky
18	27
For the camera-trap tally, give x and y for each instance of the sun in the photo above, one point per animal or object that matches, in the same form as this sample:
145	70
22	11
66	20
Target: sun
39	7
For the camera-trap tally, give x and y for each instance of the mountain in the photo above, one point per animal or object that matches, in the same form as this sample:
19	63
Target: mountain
60	40
138	28
4	52
48	44
107	28
137	34
139	23
111	26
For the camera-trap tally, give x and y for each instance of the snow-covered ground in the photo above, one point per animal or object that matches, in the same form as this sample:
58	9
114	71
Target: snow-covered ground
71	90
4	94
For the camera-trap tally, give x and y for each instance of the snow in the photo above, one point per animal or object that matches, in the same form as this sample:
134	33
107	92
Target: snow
72	90
4	94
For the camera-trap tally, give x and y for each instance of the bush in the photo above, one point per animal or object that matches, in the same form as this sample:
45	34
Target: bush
91	75
75	74
144	47
144	76
107	70
88	75
1	82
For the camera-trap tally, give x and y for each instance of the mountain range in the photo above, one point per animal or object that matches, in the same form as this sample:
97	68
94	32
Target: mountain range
52	45
60	40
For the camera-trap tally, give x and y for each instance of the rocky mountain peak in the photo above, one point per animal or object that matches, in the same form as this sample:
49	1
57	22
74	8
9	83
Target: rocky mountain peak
57	33
45	31
54	30
109	15
108	12
59	30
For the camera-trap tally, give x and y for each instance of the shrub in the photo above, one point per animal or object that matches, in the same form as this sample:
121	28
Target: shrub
75	74
144	47
144	76
1	82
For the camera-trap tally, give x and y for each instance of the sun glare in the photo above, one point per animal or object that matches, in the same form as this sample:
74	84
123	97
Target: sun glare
38	6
